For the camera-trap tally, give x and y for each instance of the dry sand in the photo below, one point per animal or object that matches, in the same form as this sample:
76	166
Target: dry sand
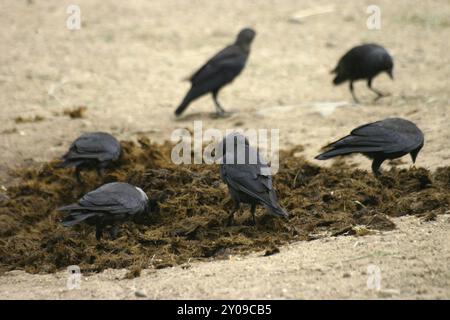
126	64
413	262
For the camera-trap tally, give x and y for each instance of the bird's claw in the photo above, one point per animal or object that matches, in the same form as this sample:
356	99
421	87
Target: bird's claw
223	114
381	95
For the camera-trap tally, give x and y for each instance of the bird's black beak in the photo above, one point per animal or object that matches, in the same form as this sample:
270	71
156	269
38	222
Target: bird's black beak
413	157
152	206
414	153
391	75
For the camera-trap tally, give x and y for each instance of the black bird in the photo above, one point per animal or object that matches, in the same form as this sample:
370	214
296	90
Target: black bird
219	71
111	204
386	139
92	150
247	176
363	62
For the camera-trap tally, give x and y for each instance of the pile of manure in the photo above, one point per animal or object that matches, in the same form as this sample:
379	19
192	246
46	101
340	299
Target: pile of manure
191	221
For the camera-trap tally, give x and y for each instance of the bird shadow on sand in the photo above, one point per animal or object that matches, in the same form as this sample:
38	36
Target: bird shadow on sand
205	116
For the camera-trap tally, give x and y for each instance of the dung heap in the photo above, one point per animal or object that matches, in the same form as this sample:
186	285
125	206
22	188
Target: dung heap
191	223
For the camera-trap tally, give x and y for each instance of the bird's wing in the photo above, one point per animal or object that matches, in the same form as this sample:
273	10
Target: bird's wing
388	138
231	59
377	57
109	145
365	139
116	199
92	147
246	178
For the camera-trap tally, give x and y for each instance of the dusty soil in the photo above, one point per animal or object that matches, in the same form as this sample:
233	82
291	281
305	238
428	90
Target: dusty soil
412	260
125	68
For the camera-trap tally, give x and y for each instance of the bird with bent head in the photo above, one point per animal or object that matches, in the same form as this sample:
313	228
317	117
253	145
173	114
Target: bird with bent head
390	138
247	176
91	150
111	204
363	62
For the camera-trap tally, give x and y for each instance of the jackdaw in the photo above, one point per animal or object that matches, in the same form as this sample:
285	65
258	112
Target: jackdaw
363	62
386	139
219	71
247	176
109	205
92	150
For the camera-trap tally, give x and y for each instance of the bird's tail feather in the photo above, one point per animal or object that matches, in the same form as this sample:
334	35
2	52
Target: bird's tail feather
70	207
274	208
341	75
352	144
64	164
192	94
277	211
74	219
339	79
68	163
182	107
346	150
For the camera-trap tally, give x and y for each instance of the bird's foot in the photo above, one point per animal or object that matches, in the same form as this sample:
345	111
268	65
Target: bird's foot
100	172
378	97
381	95
377	173
98	233
230	221
386	180
221	115
78	177
113	232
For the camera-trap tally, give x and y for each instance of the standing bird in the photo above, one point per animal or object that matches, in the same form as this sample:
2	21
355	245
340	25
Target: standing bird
247	176
219	71
111	204
363	62
390	138
92	150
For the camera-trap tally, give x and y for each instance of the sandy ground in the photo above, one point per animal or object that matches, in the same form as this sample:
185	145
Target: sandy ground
126	65
412	262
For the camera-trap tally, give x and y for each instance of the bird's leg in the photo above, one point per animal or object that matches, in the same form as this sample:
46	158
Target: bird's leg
113	232
352	90
253	210
378	93
376	164
98	231
231	216
100	171
220	111
77	174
